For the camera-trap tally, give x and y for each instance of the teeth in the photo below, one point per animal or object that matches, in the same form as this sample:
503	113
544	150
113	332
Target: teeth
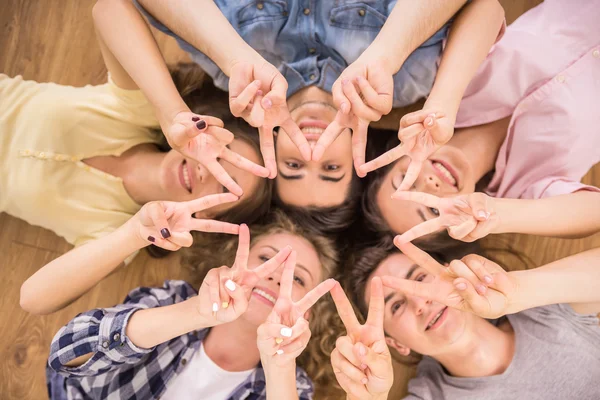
265	295
186	177
444	172
312	129
434	320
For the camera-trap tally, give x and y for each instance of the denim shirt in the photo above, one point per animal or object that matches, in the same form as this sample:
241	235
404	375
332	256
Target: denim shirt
312	41
118	369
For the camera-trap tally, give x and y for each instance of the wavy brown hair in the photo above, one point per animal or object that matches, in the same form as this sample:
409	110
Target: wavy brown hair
325	326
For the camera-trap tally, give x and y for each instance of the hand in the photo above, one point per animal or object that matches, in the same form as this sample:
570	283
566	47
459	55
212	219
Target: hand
248	82
225	292
473	284
285	334
421	134
204	139
361	360
356	110
467	218
167	224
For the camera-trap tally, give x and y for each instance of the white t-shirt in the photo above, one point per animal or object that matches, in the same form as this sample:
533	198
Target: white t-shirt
203	379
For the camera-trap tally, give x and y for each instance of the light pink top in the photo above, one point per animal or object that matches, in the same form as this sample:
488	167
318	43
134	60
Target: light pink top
546	73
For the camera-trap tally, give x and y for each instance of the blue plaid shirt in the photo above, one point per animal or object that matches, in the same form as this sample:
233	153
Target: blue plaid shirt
120	370
312	41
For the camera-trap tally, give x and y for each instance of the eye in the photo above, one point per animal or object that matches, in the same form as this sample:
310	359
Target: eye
421	277
299	280
396	306
264	258
332	167
293	165
434	211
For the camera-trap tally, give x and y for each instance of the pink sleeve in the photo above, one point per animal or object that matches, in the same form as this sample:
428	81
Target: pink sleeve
555	186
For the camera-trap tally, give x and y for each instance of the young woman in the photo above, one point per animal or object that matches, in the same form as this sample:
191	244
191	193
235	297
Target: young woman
236	338
548	345
524	117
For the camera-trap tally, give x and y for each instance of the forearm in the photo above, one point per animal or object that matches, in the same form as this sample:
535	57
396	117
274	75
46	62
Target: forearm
568	216
473	33
66	278
575	279
201	23
153	326
281	382
409	25
127	36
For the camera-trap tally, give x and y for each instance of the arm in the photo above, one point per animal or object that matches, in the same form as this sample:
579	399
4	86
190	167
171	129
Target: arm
281	382
201	23
69	276
568	216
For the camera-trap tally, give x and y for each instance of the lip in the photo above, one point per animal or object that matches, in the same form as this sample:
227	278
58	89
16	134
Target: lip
450	169
180	175
312	123
261	298
439	322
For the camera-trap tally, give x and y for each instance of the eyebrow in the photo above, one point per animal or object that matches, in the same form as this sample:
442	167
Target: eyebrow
290	177
408	275
322	177
330	179
276	250
421	214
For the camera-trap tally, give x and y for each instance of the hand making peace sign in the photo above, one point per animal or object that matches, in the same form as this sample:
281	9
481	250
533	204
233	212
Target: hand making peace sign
285	334
361	360
225	292
467	218
474	284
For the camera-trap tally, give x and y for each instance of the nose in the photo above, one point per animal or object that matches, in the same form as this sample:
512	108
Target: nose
420	304
429	183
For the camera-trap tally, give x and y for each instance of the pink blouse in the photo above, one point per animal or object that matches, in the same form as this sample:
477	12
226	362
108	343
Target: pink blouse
546	73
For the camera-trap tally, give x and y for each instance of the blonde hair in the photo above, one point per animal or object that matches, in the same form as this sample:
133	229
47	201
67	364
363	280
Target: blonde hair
325	325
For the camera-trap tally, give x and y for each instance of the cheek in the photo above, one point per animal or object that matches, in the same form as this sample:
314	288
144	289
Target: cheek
341	149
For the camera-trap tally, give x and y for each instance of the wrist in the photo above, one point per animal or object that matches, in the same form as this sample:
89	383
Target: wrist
199	320
437	104
128	236
378	52
246	55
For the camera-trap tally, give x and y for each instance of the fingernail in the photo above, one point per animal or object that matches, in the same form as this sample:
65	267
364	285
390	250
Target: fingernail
259	92
286	332
480	289
230	285
195	119
165	233
345	81
364	381
279	352
488	279
257	83
215	307
201	124
361	350
461	286
483	214
225	304
151	239
278	340
363	366
267	103
430	123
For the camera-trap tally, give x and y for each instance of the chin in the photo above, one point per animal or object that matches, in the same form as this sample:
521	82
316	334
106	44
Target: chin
256	314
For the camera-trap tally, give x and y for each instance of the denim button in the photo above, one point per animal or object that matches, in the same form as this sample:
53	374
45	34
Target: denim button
312	77
306	11
260	6
312	50
183	362
596	53
362	12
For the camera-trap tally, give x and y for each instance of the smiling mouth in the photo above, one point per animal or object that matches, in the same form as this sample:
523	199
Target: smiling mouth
184	176
444	172
264	296
436	318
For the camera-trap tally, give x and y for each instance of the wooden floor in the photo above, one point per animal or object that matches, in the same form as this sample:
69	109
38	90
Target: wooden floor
54	41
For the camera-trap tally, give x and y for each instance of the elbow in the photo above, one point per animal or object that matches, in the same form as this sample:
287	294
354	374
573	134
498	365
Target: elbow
496	11
29	300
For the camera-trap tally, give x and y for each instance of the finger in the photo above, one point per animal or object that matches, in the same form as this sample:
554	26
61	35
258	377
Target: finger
278	93
243	250
353	388
412	173
463	230
359	108
421	258
339	98
217	170
460	270
267	148
344	309
181	239
314	295
221	134
267	268
165	244
212	200
426	199
212	282
424	290
298	330
381	102
298	138
479	266
239	103
359	145
410	132
342	365
419	117
273	332
345	346
478	202
378	367
239	301
474	301
287	277
243	163
424	228
386	158
214	226
293	349
333	130
376	305
157	215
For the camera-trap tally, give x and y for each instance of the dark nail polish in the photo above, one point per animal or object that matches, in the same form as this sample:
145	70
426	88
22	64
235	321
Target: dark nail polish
195	119
165	233
201	124
151	239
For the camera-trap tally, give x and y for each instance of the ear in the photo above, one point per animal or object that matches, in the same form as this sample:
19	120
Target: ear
394	344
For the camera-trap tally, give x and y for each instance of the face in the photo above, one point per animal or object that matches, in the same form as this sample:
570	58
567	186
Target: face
183	179
321	183
307	274
414	323
447	173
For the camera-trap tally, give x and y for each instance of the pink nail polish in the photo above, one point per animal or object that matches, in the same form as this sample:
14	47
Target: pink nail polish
461	286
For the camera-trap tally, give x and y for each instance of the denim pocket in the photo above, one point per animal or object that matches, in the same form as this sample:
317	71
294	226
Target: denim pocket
359	15
261	11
